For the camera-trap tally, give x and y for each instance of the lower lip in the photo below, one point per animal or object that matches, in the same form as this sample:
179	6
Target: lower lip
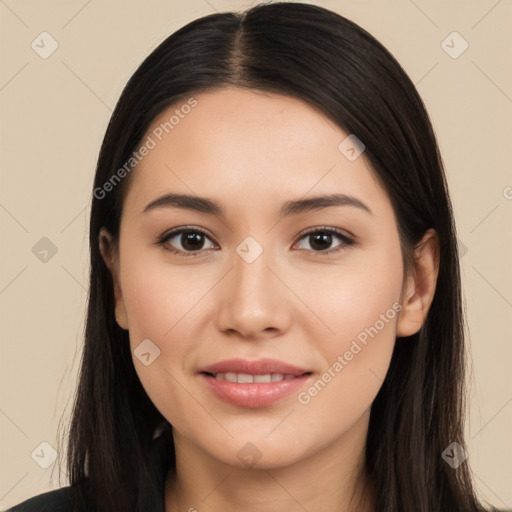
254	395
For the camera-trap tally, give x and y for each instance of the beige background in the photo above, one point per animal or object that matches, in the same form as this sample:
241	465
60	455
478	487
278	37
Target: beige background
53	114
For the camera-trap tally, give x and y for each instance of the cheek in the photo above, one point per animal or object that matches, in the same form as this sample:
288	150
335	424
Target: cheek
356	362
164	304
160	298
356	295
359	308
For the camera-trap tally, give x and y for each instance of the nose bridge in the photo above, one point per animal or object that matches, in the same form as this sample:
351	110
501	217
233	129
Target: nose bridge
251	264
252	298
251	275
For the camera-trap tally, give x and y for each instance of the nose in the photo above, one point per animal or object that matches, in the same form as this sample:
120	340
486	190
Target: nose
253	299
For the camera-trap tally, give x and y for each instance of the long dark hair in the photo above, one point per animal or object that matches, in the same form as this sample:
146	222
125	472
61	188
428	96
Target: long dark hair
320	57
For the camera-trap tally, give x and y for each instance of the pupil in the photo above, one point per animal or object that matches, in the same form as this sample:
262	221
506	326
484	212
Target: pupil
191	241
325	238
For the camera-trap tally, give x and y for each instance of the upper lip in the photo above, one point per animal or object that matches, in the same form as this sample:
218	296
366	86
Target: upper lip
256	367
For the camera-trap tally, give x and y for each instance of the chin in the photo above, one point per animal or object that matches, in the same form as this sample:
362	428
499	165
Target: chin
257	454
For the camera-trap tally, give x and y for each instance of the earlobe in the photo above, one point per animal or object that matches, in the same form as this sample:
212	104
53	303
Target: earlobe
111	258
420	286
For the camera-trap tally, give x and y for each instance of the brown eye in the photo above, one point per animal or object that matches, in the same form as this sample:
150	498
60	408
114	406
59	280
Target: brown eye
320	240
190	240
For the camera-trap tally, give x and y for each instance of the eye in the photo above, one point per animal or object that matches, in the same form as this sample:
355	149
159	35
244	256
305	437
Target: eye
322	238
191	240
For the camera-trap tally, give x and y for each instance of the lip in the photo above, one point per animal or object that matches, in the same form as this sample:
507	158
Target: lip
256	394
257	367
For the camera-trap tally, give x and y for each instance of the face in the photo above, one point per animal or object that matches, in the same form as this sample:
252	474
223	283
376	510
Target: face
316	291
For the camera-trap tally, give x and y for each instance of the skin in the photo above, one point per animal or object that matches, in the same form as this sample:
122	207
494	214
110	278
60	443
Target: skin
252	151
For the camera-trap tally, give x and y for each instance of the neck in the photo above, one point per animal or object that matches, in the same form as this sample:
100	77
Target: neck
333	479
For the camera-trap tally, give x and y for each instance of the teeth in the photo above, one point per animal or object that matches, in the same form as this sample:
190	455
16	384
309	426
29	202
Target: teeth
263	378
245	378
231	377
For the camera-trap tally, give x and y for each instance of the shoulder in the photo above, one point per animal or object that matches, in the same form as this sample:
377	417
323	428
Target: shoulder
58	500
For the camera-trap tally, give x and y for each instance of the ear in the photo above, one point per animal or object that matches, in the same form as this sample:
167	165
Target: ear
110	255
420	285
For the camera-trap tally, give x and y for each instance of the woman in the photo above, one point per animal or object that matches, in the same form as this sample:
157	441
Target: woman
274	319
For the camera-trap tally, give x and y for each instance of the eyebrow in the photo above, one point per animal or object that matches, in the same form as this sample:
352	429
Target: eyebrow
293	207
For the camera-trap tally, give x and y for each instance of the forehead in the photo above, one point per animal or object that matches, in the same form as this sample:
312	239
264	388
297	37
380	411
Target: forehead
235	117
251	146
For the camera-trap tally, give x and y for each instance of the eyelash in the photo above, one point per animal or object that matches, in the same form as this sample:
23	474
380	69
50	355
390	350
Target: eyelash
347	241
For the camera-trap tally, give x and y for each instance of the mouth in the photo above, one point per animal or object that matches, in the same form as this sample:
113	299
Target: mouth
247	367
247	378
253	384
